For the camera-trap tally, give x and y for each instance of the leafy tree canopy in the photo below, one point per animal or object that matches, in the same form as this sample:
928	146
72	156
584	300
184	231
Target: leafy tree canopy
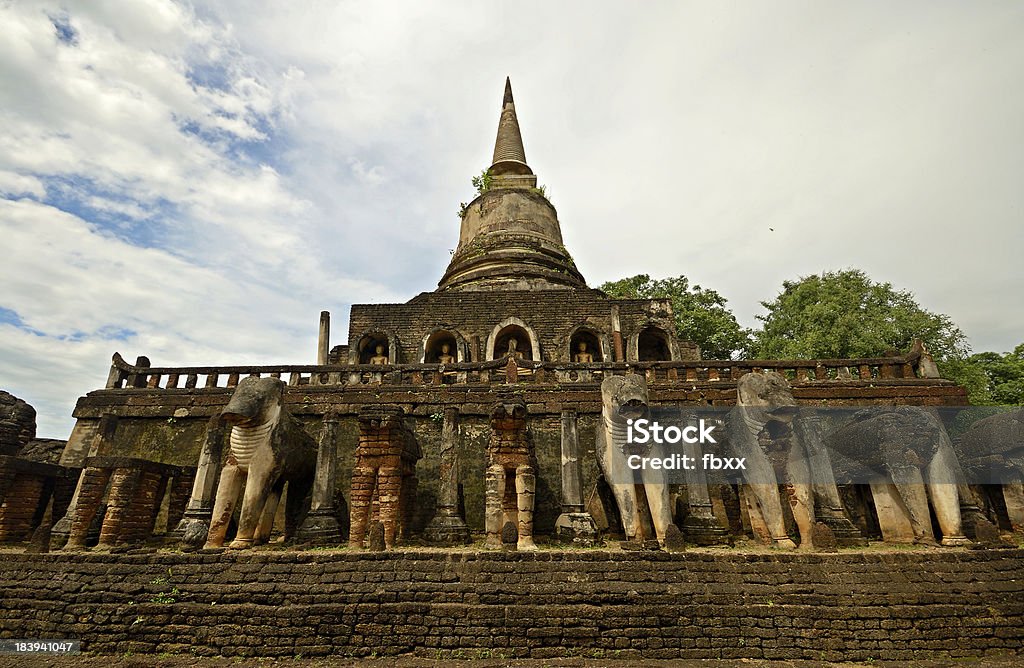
846	314
990	378
701	314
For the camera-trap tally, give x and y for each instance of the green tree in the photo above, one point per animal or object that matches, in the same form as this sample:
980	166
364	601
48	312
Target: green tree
701	314
990	378
846	314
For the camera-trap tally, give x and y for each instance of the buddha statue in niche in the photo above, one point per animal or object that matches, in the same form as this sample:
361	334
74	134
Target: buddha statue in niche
379	356
513	350
445	356
582	356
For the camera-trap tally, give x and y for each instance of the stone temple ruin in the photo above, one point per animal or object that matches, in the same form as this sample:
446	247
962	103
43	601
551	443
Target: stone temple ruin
496	402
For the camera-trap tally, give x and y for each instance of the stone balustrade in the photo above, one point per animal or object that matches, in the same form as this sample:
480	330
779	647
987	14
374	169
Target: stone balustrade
901	368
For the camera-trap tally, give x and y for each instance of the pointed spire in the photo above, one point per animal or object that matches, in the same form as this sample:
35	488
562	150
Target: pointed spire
508	93
509	155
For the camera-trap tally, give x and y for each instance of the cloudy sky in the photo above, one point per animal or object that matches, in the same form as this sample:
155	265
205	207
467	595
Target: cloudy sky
197	182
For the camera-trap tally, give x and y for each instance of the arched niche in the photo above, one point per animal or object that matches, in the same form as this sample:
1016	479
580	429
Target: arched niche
366	348
652	344
595	344
431	346
513	328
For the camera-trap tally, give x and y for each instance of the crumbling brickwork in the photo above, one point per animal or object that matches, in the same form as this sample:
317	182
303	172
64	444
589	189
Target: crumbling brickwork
134	490
890	606
146	429
19	511
511	484
384	475
29	474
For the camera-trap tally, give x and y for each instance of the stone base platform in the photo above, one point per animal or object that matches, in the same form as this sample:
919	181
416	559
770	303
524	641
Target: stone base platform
899	605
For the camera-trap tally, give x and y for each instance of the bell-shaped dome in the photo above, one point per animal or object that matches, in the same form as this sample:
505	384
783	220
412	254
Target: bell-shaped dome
510	237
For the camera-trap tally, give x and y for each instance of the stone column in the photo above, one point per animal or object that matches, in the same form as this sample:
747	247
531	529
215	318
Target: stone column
574	525
324	341
101	445
448	527
321	524
700	526
195	523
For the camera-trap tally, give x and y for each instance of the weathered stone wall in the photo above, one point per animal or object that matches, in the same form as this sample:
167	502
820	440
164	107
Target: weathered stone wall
149	429
552	314
851	606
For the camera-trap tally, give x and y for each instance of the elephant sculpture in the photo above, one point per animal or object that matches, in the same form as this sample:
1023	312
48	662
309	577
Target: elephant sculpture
993	448
624	398
910	461
267	448
782	444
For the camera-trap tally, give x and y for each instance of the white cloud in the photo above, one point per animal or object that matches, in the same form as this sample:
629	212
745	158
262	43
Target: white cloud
20	184
210	176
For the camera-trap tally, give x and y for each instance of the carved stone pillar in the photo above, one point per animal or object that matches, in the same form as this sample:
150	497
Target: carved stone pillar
510	479
321	524
574	525
448	527
700	526
323	341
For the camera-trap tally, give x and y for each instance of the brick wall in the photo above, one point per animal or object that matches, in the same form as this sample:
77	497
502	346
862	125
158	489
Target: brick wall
898	605
552	314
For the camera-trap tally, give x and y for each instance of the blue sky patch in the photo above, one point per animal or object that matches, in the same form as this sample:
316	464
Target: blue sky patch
66	34
133	221
11	317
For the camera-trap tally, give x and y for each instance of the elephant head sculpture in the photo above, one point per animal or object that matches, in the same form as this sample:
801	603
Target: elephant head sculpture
624	398
267	448
993	447
912	462
761	429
